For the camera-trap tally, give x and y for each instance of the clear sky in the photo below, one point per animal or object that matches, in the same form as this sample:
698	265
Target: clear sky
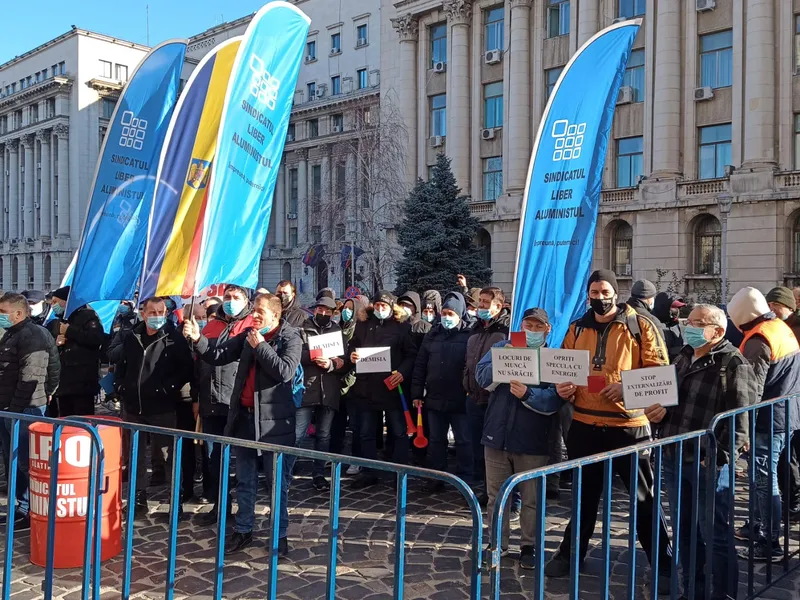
25	25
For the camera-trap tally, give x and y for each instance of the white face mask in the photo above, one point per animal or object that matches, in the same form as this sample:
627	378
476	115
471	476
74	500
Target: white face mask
37	309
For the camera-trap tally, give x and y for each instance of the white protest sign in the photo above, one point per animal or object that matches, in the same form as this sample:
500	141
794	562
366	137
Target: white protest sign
564	366
328	345
654	385
374	360
515	364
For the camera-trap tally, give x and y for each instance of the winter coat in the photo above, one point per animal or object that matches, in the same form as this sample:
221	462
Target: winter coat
369	392
483	336
29	367
705	390
794	323
514	425
151	379
439	368
360	304
643	310
418	327
80	354
275	362
323	386
213	385
294	314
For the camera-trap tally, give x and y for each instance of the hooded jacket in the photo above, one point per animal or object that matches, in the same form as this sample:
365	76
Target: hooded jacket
432	299
483	336
29	367
80	354
440	363
369	392
672	330
294	314
418	327
323	386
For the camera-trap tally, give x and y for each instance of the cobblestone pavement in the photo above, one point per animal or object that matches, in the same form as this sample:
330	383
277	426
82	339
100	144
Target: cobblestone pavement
437	546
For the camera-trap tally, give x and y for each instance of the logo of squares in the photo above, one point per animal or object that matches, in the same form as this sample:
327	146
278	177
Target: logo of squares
263	86
569	139
133	131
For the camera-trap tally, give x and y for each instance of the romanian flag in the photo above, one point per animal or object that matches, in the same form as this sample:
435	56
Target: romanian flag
176	224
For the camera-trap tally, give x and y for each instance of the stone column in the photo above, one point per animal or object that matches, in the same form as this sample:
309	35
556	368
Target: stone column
667	92
302	197
587	20
759	85
352	194
280	207
3	167
13	189
407	28
519	101
30	170
62	131
459	15
7	262
328	202
45	201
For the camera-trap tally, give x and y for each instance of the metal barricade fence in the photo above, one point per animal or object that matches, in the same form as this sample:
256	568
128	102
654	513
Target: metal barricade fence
90	580
279	453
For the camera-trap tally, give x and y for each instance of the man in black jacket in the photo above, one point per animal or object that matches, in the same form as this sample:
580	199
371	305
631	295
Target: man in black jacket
437	382
291	310
370	394
29	374
323	383
155	367
80	340
261	406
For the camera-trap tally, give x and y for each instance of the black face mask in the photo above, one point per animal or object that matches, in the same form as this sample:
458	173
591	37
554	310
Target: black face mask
322	320
285	300
602	306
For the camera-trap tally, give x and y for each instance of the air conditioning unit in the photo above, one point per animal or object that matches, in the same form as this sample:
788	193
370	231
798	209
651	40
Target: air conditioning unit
291	216
439	66
289	137
628	269
492	57
320	93
337	129
361	42
488	133
619	20
625	95
310	58
704	5
703	93
435	141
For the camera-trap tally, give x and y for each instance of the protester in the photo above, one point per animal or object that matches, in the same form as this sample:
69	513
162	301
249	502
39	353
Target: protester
772	349
619	340
431	306
37	305
29	375
516	434
370	394
713	377
781	301
291	310
323	388
437	383
80	340
473	299
268	354
408	310
125	319
666	310
491	328
155	367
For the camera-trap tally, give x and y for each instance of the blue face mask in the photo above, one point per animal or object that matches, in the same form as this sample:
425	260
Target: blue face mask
5	322
124	309
450	322
383	313
695	336
534	339
264	330
58	310
233	307
202	324
347	314
484	314
428	318
336	319
156	323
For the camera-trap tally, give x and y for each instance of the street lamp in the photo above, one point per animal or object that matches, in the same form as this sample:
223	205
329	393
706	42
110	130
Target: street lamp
724	201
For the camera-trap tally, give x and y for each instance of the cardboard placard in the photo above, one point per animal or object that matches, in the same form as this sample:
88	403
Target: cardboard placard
564	366
328	345
515	364
654	385
374	360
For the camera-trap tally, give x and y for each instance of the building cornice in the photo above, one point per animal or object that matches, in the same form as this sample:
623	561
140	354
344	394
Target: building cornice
306	109
105	87
39	91
59	122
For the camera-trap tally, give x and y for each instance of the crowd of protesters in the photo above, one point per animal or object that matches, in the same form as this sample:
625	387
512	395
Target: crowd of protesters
242	366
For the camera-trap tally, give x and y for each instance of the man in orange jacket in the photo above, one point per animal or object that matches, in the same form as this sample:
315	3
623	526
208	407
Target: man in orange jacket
618	340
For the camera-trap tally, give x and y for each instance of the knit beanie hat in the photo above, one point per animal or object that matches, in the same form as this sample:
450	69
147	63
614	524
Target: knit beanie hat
603	275
747	305
782	295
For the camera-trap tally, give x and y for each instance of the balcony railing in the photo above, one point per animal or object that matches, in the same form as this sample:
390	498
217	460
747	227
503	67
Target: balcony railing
481	207
618	196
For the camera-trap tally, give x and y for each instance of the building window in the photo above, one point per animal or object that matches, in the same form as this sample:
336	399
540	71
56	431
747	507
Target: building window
336	85
336	43
361	35
797	43
363	80
438	43
492	178
714	151
796	246
707	246
339	233
51	108
286	271
341	180
439	115
105	69
550	79
34	113
337	123
293	237
622	249
493	104
313	128
293	191
634	75
290	132
316	187
108	108
716	59
494	28
62	68
48	271
122	72
797	144
631	8
316	234
629	161
557	18
311	51
311	89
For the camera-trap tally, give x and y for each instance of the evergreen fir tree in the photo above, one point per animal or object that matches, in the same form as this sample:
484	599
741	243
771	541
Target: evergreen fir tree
437	235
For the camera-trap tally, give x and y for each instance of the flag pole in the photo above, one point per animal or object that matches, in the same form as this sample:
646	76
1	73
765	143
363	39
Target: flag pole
353	264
